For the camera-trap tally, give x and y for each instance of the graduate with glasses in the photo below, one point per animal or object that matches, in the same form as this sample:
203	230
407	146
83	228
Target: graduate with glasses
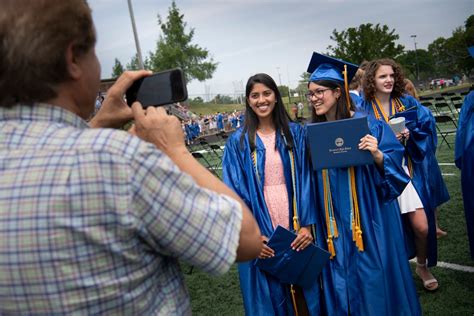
359	218
264	163
384	96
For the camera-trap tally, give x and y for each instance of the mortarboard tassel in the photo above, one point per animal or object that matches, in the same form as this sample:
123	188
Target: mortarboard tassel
331	249
346	88
293	298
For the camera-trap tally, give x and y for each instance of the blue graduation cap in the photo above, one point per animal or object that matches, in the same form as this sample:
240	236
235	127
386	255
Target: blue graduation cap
290	266
471	51
322	67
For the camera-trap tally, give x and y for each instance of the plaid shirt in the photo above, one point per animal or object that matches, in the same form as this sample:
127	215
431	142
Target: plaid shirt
92	221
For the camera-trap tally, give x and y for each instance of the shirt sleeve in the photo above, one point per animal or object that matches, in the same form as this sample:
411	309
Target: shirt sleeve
180	219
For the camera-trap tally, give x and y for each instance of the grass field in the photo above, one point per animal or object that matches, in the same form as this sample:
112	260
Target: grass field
221	295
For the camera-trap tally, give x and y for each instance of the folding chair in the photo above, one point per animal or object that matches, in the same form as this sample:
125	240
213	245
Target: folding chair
205	145
218	152
430	106
446	126
440	106
205	162
457	103
440	99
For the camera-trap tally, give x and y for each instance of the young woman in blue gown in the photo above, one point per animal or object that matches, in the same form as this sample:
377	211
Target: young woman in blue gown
368	273
384	95
276	194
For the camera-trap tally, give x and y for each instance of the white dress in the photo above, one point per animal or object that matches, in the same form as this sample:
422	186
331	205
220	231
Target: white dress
409	200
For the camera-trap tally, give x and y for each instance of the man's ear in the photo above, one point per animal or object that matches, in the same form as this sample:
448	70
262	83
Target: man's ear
72	63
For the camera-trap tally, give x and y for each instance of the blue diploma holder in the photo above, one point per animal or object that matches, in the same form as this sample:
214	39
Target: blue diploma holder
409	114
290	266
335	144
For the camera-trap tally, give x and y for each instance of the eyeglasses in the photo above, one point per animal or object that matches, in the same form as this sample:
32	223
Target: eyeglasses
317	94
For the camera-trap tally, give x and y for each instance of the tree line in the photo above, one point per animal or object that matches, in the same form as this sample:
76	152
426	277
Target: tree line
444	57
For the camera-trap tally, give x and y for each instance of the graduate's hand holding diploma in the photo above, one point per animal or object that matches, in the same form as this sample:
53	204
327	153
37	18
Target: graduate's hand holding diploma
303	239
266	251
370	143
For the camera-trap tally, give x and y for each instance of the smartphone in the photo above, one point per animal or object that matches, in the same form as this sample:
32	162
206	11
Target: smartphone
161	88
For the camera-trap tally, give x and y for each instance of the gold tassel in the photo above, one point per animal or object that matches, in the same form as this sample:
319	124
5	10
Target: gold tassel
331	249
293	298
356	228
346	88
296	226
359	240
336	232
354	238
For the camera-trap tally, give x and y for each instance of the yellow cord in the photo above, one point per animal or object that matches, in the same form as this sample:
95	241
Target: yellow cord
346	87
293	298
357	227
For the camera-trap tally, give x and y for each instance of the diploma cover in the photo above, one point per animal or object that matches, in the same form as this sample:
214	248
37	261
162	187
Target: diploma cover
290	266
335	144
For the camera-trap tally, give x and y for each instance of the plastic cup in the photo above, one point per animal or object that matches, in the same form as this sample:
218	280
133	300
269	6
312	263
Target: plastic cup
397	124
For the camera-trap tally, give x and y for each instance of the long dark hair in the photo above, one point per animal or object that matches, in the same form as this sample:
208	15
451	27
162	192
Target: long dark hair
280	117
341	105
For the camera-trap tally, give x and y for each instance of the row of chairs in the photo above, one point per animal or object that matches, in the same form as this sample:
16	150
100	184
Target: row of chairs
209	151
442	105
445	109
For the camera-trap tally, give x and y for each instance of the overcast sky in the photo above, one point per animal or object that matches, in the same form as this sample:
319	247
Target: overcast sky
276	37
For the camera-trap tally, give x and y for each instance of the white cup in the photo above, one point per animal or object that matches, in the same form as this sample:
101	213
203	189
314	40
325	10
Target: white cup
397	124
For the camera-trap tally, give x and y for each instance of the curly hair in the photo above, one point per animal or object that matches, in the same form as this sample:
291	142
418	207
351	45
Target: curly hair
368	83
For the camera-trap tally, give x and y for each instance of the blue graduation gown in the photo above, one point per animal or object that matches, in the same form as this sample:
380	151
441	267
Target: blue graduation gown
220	121
464	159
418	146
263	294
437	190
377	281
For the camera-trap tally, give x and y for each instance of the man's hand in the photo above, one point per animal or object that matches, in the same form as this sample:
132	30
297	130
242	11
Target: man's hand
114	112
153	125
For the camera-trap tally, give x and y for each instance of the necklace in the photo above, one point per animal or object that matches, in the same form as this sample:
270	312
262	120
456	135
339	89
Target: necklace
266	131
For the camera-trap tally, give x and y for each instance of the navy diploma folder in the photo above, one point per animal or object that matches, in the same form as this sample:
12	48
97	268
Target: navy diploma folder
290	266
335	144
410	114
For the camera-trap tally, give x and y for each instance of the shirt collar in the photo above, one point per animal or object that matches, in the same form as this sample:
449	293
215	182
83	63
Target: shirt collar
42	112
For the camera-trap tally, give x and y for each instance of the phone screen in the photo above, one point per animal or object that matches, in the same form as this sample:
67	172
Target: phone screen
162	88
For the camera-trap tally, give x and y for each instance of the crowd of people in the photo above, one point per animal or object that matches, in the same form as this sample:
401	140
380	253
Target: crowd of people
96	220
205	125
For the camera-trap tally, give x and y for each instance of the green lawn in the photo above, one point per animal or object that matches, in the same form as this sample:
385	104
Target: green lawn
221	295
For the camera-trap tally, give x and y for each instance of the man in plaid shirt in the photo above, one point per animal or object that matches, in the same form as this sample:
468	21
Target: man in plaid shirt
94	220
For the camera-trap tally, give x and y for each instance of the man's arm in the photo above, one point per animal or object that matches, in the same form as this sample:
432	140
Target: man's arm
164	131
